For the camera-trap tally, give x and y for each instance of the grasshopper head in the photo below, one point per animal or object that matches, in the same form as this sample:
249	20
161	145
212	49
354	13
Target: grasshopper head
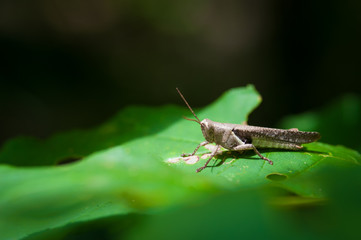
207	127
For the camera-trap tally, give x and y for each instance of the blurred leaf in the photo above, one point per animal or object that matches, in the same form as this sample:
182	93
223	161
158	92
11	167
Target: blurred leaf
130	123
247	214
229	216
234	215
339	123
137	175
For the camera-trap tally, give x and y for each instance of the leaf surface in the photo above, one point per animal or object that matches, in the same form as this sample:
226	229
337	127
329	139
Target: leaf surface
131	164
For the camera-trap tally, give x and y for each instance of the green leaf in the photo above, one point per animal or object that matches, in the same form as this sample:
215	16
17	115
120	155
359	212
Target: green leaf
130	165
247	214
130	123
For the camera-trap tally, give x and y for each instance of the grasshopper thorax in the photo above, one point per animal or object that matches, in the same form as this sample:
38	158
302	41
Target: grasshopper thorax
207	127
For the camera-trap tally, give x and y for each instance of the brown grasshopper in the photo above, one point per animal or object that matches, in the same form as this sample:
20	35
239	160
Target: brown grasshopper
240	137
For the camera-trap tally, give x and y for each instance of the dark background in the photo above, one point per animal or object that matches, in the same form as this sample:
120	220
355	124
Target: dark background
74	64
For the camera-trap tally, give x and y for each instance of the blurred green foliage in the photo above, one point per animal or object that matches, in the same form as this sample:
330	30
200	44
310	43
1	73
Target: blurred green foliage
124	185
339	122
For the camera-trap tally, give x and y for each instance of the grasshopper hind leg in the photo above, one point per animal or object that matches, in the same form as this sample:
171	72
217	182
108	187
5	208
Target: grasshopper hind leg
261	156
250	146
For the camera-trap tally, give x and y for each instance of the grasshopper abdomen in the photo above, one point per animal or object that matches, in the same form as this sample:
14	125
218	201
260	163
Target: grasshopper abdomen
275	138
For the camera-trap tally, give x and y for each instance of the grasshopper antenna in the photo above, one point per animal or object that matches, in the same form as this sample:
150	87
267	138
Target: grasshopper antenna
198	121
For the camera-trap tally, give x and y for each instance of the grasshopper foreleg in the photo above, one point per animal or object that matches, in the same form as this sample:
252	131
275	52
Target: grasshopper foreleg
195	150
212	155
249	147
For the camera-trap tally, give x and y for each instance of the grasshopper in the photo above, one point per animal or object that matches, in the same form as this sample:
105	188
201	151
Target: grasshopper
240	137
